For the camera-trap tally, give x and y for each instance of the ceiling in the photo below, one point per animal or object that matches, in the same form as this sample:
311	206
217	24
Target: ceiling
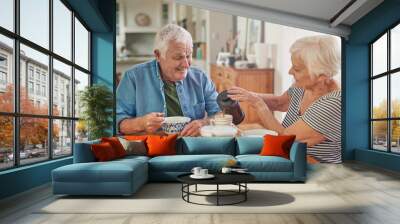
327	16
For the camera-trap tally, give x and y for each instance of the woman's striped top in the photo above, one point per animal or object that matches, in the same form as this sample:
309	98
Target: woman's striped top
324	116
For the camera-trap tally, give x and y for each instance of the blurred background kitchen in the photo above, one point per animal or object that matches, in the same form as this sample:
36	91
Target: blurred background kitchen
233	50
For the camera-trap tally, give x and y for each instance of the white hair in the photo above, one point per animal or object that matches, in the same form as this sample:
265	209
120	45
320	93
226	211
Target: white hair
171	32
320	54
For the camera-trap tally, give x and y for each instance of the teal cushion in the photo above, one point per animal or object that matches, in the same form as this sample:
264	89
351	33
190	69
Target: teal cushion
249	145
185	163
83	152
111	171
207	145
257	163
133	158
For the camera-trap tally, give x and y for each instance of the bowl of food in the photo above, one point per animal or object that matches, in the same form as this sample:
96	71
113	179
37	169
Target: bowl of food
173	125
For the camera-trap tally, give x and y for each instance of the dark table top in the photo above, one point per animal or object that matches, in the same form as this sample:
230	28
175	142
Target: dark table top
220	178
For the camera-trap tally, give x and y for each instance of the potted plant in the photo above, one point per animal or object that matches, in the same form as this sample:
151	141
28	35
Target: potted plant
96	102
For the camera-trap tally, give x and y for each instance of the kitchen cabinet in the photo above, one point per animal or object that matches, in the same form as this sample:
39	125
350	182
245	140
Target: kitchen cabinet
256	80
130	14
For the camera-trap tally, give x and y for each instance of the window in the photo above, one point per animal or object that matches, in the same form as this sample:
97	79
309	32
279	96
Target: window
7	14
30	72
37	74
81	45
30	87
3	61
32	38
3	72
3	78
6	71
62	29
34	23
43	90
38	89
385	97
62	75
3	81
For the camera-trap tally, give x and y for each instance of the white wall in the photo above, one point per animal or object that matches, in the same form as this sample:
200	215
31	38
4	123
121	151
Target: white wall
280	39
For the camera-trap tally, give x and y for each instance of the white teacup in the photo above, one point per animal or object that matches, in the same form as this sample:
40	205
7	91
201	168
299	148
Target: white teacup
196	170
203	172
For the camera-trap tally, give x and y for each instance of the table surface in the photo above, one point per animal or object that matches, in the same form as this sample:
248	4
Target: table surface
220	178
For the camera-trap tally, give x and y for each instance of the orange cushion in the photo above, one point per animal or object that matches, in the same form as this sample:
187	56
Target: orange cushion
135	137
277	145
161	145
116	145
103	152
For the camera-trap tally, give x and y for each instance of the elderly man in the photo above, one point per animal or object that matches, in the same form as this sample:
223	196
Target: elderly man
166	86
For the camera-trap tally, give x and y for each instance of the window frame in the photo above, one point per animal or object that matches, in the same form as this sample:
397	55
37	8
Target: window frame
51	118
388	74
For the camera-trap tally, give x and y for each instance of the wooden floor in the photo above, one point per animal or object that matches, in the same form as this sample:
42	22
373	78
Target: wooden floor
378	188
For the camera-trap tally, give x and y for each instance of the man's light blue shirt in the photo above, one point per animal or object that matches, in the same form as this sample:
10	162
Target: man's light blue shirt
141	91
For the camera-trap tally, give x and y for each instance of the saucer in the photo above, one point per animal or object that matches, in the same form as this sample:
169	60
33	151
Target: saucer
208	176
218	131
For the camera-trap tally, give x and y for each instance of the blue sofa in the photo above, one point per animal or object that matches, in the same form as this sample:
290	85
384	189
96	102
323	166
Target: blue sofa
125	176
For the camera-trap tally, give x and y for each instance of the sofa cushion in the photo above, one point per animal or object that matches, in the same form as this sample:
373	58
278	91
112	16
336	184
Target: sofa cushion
116	145
207	145
277	145
249	145
103	152
257	163
131	158
112	171
185	163
83	152
161	145
134	147
135	137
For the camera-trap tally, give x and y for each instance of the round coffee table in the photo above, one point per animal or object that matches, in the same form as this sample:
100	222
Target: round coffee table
238	179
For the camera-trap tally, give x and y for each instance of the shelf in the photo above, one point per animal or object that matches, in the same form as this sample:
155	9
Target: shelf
141	30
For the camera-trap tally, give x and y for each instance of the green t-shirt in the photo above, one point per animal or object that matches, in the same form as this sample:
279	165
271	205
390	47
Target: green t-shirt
172	100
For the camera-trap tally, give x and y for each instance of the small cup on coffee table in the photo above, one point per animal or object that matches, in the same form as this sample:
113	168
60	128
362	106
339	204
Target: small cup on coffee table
196	170
203	172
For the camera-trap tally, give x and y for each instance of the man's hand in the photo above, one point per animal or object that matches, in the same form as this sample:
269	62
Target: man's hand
152	122
193	128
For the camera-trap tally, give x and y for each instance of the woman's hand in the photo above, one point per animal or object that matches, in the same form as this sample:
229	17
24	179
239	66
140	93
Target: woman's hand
242	95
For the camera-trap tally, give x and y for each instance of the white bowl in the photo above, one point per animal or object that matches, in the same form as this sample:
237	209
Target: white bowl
173	125
258	132
218	131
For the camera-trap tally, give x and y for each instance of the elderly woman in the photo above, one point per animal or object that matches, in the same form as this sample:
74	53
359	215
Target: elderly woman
312	103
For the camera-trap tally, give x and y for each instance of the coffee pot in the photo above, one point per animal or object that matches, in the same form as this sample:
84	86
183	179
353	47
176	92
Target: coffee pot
229	106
